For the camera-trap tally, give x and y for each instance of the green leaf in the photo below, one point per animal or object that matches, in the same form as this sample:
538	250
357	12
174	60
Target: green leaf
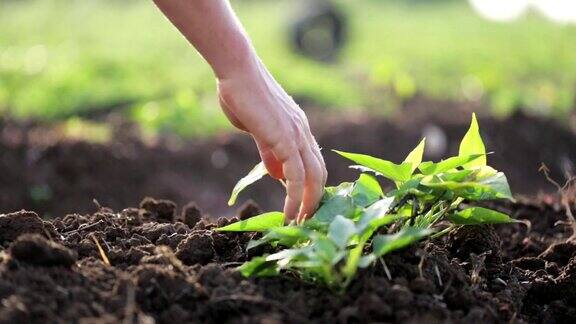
375	212
254	175
325	249
258	266
429	168
467	190
258	223
354	257
499	184
285	235
396	172
472	144
458	175
484	172
337	205
479	215
343	189
365	261
384	244
410	186
286	254
415	157
341	230
366	190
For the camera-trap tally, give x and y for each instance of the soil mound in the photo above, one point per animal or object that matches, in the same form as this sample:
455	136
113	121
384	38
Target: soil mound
61	177
172	269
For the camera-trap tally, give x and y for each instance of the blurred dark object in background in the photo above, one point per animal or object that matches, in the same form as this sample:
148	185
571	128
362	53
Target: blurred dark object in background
319	32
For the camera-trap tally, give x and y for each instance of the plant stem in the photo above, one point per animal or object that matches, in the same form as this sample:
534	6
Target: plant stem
442	232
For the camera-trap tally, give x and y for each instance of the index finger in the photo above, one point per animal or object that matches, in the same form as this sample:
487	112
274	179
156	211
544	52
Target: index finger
294	174
314	184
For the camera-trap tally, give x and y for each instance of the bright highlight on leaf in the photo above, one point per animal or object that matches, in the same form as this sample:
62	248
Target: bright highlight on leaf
479	215
256	224
396	172
366	190
472	144
258	266
255	174
415	157
330	247
428	168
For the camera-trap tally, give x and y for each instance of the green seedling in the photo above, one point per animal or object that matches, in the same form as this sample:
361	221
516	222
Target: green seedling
358	223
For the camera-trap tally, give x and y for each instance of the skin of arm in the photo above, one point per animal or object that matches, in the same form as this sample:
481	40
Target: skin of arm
253	101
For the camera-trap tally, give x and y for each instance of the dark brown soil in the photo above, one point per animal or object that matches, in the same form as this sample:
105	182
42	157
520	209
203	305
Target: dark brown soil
59	177
171	267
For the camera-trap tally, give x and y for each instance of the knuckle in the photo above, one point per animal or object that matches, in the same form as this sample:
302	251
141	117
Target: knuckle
296	129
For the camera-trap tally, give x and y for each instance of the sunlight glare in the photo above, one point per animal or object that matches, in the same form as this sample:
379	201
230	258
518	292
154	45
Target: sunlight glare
500	10
560	11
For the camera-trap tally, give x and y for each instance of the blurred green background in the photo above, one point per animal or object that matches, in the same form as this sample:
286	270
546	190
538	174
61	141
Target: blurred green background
60	58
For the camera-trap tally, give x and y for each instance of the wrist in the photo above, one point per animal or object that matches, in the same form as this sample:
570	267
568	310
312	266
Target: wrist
240	58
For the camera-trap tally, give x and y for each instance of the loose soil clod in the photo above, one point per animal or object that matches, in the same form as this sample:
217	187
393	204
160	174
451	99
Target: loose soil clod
174	272
33	249
15	224
162	211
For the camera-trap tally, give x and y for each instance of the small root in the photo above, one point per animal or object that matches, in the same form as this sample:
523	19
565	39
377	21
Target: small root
437	271
566	191
101	250
386	269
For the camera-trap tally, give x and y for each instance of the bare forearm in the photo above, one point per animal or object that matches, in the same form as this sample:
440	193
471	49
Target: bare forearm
212	27
253	100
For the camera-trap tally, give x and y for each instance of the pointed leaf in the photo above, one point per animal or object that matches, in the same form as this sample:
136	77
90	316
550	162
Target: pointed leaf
366	190
428	168
341	230
479	215
396	172
472	144
258	266
343	189
258	223
467	190
384	244
375	212
285	235
254	175
415	157
498	183
337	205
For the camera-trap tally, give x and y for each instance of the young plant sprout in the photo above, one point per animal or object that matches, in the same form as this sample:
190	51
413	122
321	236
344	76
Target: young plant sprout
357	223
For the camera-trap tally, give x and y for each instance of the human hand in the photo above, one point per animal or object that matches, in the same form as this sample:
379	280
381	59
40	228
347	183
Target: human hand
254	102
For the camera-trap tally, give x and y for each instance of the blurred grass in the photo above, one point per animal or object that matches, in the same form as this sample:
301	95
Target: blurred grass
61	57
